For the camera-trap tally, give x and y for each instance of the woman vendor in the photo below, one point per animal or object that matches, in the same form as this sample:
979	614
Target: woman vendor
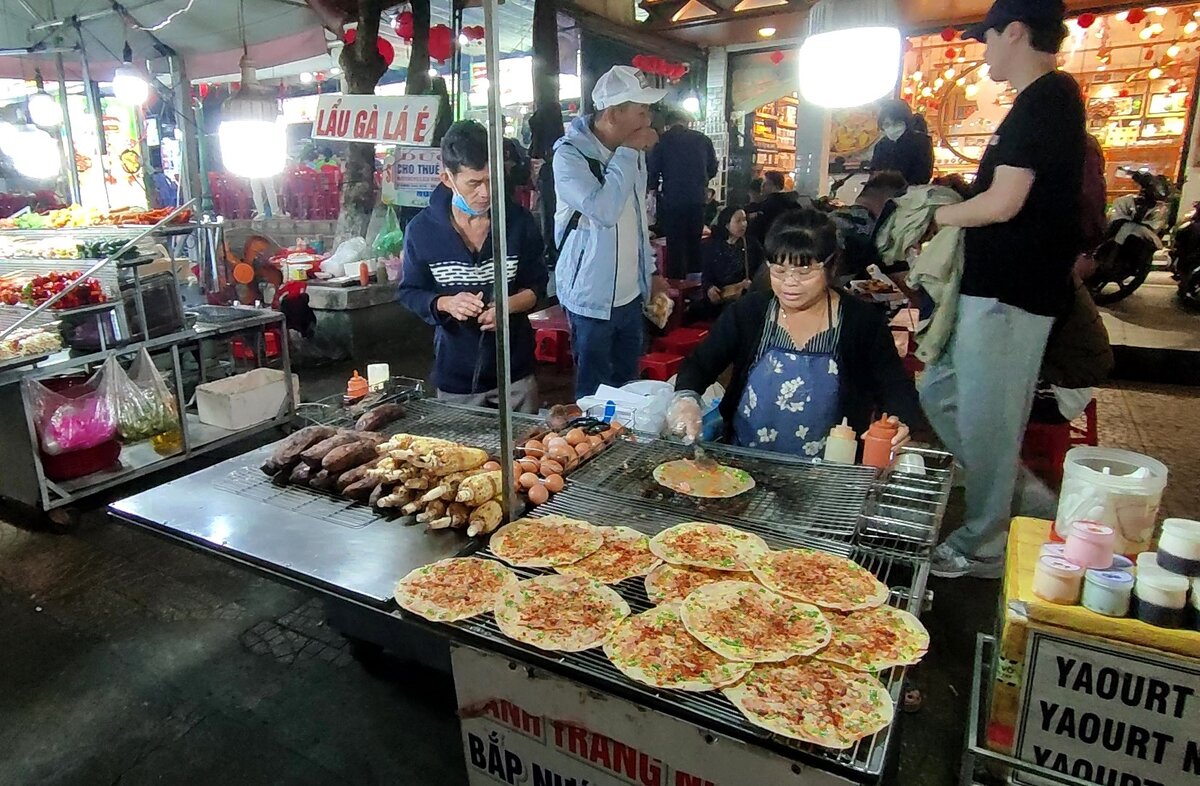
803	356
730	260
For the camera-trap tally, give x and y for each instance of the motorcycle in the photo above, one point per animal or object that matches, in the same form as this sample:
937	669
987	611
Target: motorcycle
1137	224
1185	259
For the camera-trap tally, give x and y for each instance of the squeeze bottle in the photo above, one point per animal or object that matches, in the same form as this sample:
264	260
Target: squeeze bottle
877	443
842	444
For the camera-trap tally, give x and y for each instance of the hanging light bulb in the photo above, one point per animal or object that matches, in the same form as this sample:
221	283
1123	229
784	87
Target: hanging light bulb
1173	50
1156	29
1122	16
1191	27
962	80
253	142
1157	11
1155	73
44	110
972	91
852	53
34	153
950	73
916	75
306	78
128	84
691	105
937	83
1145	34
927	91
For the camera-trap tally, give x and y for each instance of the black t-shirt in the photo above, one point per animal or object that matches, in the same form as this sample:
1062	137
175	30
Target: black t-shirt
1026	262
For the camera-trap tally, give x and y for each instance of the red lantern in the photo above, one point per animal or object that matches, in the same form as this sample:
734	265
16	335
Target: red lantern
949	34
474	32
203	90
1135	15
386	50
679	72
639	62
951	53
1086	20
1124	93
776	57
441	43
404	25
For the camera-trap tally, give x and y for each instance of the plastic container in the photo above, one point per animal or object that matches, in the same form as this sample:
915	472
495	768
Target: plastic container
1057	581
1090	545
842	445
1161	598
877	443
1118	488
378	375
1121	562
356	388
1108	592
1053	550
237	402
1179	547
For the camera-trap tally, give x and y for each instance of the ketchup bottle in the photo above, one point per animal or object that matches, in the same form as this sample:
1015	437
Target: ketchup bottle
877	443
356	389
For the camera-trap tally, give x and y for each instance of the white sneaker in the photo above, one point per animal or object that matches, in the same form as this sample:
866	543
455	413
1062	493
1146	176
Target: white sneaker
946	563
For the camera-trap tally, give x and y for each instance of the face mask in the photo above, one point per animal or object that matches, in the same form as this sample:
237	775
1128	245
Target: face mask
894	131
461	203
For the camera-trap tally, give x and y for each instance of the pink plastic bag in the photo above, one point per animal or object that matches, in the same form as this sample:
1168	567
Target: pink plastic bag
77	418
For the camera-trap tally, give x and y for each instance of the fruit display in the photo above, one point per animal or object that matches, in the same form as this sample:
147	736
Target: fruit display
77	216
29	341
41	288
11	290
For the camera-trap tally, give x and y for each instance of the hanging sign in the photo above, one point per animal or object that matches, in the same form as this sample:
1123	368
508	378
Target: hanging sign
1110	714
416	172
383	120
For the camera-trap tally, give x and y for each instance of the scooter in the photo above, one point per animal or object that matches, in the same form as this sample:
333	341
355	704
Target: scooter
1185	259
1137	224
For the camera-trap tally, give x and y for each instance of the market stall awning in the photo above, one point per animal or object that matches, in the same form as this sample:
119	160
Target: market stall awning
204	32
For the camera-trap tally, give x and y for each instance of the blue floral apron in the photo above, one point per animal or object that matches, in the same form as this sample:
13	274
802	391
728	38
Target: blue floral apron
791	399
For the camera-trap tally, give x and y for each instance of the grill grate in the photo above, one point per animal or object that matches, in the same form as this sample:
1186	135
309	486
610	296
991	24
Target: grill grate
253	484
864	762
815	501
905	513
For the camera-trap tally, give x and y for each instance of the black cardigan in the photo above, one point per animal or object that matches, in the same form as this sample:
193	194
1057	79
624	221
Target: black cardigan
873	379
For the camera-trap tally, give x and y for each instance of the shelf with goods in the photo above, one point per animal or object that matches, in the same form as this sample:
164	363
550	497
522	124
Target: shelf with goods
773	131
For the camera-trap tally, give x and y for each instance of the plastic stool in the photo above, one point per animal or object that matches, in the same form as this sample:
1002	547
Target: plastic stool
681	341
553	346
659	365
1044	449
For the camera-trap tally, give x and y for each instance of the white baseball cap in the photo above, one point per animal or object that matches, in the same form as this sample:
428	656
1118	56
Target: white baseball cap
623	84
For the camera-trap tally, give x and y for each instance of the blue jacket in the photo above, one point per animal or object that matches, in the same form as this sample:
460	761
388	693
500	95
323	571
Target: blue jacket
437	263
586	275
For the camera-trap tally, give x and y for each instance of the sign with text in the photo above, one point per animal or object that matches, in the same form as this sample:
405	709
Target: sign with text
382	120
415	173
1110	714
523	725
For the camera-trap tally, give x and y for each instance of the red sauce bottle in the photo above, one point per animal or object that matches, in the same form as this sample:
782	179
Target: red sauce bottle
877	443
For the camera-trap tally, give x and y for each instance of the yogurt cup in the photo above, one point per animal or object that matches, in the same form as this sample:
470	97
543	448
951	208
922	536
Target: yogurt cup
1056	580
1108	592
1121	562
1090	544
1179	547
1161	598
1053	550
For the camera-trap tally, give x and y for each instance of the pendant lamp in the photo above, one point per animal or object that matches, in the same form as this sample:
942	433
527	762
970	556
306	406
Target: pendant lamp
252	136
852	53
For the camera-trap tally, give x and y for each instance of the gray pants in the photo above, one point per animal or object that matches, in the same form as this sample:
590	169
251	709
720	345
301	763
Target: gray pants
522	397
977	397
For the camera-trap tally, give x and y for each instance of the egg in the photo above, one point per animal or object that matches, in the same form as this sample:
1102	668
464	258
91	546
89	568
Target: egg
595	440
583	449
517	470
539	495
554	483
491	465
550	467
557	442
529	465
563	453
575	436
528	480
534	448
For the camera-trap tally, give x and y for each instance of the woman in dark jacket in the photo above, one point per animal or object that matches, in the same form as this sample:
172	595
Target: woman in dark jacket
803	356
905	146
730	260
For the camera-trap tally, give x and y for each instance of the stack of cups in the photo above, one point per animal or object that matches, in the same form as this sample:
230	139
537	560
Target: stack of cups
1161	595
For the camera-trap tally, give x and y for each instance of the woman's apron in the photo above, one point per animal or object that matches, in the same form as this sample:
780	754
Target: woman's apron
792	397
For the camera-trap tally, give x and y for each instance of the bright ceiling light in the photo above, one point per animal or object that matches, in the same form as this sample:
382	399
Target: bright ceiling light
1191	27
335	70
432	72
852	53
306	78
949	73
971	91
1154	73
129	85
44	110
1145	34
766	32
691	105
1173	51
34	153
1157	29
252	135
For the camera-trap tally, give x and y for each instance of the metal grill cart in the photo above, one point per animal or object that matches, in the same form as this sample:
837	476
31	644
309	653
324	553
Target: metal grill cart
353	557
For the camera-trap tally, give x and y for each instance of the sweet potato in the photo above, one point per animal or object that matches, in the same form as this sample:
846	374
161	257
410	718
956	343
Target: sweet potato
348	456
355	474
288	451
379	417
301	474
323	480
362	489
317	452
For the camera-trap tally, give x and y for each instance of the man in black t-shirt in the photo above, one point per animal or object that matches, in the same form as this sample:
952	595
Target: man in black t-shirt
1022	235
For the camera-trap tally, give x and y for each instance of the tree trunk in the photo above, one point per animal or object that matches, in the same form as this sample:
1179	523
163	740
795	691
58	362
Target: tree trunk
419	82
547	118
363	67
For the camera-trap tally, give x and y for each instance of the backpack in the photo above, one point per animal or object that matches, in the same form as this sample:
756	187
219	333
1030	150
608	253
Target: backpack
546	178
1093	199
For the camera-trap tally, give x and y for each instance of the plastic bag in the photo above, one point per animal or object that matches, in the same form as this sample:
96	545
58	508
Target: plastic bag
658	309
76	418
390	240
140	400
345	258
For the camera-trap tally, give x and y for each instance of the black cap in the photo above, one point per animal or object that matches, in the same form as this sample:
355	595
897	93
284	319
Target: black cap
1004	12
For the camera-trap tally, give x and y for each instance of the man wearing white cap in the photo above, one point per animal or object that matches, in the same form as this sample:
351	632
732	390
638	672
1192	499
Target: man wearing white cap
605	266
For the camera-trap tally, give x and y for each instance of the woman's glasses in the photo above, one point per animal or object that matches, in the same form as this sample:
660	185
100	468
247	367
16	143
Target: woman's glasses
795	271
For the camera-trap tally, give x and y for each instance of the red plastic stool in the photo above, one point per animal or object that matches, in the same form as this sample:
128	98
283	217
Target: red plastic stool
681	341
553	346
659	365
1044	449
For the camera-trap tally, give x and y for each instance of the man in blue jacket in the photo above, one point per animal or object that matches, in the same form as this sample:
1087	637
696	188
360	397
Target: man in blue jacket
605	266
448	280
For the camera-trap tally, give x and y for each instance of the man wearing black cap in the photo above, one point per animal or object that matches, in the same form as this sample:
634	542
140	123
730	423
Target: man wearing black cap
1022	235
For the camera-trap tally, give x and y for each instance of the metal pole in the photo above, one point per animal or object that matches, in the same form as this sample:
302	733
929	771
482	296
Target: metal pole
499	252
68	135
93	94
193	181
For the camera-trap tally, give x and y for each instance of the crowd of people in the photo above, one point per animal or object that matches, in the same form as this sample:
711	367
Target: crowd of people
803	354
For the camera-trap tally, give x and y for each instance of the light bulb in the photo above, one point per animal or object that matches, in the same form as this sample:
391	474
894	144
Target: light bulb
937	83
1156	29
972	91
1154	73
34	153
253	148
691	105
916	75
463	40
1145	34
927	91
1122	16
949	73
1157	11
129	86
766	32
1191	27
1173	51
432	72
335	71
845	68
984	70
44	111
306	78
962	80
